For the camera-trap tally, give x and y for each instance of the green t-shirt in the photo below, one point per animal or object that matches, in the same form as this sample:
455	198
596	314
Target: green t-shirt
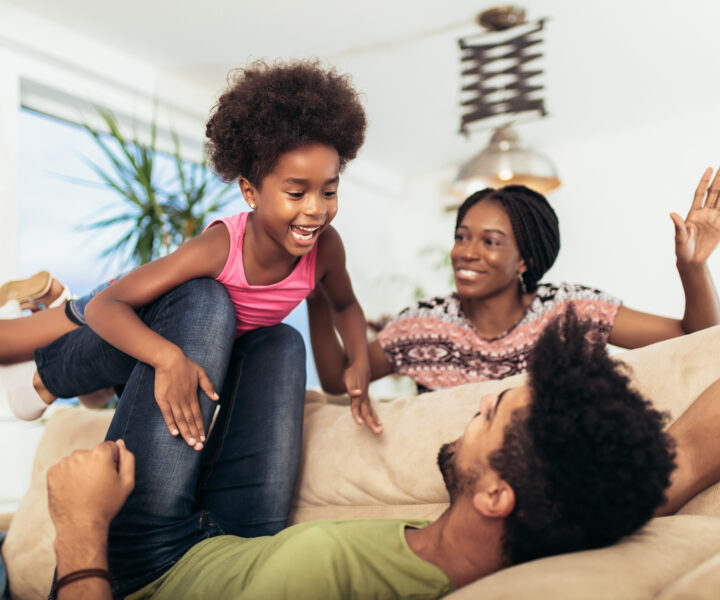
358	558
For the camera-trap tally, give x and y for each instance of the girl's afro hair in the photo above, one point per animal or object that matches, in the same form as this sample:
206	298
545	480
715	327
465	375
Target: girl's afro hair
269	109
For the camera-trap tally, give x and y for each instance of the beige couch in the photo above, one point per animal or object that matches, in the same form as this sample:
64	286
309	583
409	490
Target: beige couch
348	472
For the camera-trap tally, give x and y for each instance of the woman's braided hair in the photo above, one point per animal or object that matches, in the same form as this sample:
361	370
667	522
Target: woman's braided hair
533	222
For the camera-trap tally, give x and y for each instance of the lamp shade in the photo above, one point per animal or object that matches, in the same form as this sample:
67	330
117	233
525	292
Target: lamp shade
505	162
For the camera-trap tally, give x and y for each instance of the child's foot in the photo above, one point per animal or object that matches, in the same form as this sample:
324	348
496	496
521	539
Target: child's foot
27	396
26	289
35	293
57	294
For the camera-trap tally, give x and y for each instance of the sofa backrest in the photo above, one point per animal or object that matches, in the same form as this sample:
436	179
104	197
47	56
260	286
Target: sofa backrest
349	472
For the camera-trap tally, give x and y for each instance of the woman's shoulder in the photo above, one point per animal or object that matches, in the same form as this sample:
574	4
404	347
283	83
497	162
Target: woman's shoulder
551	298
438	307
564	291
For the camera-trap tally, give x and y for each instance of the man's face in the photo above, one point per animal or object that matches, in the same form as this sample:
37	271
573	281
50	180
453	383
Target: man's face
466	459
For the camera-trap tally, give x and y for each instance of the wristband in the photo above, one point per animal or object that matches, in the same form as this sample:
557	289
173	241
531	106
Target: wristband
77	576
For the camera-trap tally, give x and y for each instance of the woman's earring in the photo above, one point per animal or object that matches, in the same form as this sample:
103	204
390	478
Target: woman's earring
523	287
252	205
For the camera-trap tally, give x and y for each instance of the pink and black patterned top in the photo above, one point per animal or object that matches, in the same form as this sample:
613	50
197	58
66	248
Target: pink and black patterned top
433	343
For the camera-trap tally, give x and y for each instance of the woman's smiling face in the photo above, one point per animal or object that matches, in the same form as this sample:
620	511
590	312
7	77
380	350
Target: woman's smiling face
485	257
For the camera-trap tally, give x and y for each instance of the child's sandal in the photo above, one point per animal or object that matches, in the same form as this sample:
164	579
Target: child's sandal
24	290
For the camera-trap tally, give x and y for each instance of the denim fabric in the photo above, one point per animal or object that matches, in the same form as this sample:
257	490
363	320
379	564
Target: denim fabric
4	589
75	307
242	482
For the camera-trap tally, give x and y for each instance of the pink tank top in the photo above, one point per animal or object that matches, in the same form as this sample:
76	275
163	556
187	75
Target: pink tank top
262	305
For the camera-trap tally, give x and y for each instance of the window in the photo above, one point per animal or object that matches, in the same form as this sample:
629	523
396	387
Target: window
56	203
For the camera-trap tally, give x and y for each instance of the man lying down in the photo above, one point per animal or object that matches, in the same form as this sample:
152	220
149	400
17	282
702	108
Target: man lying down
575	460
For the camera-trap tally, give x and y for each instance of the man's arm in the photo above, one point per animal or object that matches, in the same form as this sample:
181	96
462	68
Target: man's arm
85	491
698	451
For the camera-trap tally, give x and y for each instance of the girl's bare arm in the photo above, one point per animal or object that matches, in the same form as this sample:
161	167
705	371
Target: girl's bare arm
350	322
111	315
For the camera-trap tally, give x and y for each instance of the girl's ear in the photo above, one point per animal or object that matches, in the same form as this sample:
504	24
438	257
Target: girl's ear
249	192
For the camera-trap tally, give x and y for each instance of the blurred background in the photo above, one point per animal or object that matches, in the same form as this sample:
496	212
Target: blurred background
633	118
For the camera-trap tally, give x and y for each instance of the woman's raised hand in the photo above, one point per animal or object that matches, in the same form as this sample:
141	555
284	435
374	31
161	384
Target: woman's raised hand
699	233
176	392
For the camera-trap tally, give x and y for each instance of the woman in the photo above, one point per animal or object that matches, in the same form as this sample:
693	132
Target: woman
505	241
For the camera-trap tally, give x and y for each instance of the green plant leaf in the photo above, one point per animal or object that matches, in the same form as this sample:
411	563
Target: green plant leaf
160	212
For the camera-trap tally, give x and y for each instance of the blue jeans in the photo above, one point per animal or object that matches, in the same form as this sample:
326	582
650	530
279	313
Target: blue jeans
75	307
242	482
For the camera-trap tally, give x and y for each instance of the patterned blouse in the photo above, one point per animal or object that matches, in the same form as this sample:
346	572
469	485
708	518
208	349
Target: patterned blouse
433	342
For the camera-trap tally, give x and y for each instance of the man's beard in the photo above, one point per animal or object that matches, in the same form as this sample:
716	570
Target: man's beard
446	462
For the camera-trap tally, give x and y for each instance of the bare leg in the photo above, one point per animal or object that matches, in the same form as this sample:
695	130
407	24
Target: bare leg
698	451
20	337
41	390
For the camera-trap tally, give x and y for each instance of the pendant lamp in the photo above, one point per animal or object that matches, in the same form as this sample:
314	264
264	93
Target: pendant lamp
505	161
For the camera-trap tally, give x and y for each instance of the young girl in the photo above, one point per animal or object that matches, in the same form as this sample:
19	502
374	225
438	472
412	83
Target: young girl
505	241
285	132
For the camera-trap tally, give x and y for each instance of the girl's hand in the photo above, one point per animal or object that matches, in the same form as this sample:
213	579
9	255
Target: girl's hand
176	392
697	236
356	379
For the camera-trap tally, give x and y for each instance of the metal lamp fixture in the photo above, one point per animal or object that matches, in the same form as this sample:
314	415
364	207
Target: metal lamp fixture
505	161
501	81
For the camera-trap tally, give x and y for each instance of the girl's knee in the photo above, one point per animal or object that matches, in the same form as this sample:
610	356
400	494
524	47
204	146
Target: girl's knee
289	337
210	300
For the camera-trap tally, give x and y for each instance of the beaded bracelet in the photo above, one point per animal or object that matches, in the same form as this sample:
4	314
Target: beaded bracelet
77	576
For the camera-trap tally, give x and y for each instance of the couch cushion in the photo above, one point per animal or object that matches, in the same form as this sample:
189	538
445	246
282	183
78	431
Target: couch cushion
638	567
28	548
702	583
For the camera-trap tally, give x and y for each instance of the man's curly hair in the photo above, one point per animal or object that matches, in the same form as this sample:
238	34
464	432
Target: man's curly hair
274	108
588	459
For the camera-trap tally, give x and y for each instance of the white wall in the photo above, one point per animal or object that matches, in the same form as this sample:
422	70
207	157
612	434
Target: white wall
618	190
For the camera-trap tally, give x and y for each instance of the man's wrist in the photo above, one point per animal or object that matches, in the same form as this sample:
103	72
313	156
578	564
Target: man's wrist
83	548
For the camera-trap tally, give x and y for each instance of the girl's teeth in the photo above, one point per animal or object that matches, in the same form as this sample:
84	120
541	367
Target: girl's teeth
303	234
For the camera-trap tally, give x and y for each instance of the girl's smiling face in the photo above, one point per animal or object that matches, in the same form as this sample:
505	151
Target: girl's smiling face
297	201
485	257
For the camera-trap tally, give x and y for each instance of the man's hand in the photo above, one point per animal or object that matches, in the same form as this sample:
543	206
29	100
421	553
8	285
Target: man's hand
85	491
357	378
88	488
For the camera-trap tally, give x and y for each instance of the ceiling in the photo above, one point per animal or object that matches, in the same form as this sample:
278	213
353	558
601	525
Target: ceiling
608	65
